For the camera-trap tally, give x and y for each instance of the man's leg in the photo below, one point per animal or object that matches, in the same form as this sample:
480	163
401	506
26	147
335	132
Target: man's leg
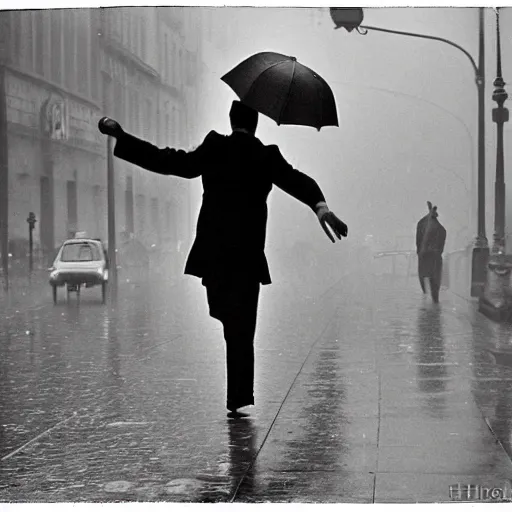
239	329
435	285
435	280
421	272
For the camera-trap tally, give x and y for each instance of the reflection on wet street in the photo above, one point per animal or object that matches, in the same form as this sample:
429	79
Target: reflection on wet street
431	360
365	393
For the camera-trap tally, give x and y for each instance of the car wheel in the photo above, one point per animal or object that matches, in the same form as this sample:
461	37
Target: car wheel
54	294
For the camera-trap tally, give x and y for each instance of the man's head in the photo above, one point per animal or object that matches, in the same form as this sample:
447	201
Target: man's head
243	117
432	210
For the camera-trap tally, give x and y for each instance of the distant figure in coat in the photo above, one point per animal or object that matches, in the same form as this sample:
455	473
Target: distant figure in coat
430	240
228	254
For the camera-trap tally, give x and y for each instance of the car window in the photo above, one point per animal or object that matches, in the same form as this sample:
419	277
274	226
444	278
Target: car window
82	251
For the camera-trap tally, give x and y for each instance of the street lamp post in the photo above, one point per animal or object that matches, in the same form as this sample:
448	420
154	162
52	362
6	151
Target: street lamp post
496	302
111	221
350	19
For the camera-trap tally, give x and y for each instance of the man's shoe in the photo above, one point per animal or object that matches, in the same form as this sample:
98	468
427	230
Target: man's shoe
237	414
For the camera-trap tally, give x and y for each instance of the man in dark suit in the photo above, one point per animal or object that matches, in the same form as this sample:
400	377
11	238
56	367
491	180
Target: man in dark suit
430	240
228	253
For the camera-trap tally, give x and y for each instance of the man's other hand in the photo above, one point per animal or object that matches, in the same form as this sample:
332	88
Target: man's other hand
110	127
339	227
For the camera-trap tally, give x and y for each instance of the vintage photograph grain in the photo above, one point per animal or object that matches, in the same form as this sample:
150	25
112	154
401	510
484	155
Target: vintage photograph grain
255	254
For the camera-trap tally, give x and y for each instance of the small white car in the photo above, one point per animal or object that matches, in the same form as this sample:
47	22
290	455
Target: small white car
80	261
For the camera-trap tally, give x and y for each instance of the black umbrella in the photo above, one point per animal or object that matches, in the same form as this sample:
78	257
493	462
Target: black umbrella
284	90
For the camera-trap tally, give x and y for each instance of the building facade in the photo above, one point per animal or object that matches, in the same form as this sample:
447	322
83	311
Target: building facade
52	102
63	70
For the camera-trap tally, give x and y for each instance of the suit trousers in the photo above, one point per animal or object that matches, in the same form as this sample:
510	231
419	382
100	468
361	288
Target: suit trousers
234	301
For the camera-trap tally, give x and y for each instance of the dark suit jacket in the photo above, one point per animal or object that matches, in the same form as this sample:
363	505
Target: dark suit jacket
237	172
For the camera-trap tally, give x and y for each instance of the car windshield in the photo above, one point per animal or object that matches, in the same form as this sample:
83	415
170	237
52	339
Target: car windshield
81	251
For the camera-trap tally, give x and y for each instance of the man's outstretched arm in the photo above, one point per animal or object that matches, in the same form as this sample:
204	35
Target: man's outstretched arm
305	189
166	161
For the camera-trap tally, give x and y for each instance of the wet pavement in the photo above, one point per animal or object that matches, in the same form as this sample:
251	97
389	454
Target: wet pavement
365	392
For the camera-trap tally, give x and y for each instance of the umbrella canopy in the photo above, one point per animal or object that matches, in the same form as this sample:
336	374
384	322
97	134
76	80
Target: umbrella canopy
284	90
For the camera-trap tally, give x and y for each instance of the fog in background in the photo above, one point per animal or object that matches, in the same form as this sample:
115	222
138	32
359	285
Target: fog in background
408	120
408	124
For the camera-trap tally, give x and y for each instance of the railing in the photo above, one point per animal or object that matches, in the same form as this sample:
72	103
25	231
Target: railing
456	267
410	257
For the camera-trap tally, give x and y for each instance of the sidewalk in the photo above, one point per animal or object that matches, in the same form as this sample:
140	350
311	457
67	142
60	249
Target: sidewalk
368	393
397	401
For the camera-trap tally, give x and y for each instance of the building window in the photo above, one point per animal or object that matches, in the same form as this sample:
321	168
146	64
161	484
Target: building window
38	42
82	46
15	23
56	46
27	40
69	48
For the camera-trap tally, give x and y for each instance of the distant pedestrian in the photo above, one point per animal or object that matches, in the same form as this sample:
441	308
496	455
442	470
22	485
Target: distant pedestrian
430	240
238	172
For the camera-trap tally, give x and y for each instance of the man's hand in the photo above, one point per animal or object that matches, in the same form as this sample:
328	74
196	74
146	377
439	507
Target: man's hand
110	127
329	219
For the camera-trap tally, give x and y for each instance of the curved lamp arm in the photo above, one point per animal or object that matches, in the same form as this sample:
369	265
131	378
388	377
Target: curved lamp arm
365	28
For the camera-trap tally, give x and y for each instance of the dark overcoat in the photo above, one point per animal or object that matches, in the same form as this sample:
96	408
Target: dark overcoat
238	172
430	241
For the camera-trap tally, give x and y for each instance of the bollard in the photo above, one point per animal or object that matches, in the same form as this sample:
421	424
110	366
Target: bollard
31	224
